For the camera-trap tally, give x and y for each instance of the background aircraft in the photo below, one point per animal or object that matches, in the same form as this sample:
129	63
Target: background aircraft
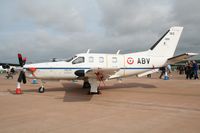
95	68
9	68
1	69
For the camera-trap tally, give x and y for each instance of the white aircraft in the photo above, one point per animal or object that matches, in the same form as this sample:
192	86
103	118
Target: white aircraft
94	68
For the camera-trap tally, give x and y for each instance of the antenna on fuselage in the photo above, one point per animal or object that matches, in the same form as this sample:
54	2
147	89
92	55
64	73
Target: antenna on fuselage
118	52
88	51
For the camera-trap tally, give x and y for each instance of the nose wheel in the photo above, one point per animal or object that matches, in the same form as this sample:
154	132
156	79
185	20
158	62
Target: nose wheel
41	89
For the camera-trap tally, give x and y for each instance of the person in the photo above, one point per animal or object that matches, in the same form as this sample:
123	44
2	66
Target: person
169	68
162	72
195	70
187	68
191	72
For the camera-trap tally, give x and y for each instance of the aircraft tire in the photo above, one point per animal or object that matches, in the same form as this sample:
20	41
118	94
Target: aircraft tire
86	85
41	90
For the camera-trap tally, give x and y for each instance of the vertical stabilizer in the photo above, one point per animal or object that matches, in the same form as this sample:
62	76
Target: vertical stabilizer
166	45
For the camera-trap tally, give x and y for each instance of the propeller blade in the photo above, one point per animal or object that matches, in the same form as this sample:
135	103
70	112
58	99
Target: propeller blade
24	61
22	77
20	60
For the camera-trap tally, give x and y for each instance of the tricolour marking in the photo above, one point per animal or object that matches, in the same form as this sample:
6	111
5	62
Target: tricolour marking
130	60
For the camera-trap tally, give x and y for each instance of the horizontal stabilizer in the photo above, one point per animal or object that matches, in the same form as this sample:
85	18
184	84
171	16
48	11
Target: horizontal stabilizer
180	58
148	72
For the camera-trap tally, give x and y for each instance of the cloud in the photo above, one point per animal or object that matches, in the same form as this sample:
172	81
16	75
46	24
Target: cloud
60	14
187	14
122	17
134	25
45	29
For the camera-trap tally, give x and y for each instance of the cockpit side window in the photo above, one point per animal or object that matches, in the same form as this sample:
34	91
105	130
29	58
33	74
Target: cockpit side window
79	60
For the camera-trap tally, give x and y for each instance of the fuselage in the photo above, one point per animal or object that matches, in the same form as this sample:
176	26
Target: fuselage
127	64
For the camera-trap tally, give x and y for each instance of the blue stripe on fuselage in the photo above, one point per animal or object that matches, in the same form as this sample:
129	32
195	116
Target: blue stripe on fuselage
78	68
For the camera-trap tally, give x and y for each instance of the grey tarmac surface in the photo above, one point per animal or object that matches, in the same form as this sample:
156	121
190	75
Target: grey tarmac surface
137	105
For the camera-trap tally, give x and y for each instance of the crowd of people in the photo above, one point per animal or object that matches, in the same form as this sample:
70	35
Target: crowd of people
190	69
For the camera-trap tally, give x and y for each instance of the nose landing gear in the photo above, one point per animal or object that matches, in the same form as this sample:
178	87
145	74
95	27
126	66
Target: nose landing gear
41	89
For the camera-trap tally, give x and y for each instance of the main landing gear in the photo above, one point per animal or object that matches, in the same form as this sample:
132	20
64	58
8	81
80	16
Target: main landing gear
93	93
93	85
86	85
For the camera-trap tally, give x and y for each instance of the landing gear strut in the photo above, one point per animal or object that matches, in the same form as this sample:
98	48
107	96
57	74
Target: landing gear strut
94	87
92	93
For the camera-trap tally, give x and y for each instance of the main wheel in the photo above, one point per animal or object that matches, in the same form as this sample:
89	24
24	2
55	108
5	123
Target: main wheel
41	90
86	85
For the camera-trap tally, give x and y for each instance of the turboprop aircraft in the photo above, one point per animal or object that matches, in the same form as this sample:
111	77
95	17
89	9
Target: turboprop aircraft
95	68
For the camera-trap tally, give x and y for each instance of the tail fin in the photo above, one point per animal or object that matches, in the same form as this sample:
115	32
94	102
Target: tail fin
166	45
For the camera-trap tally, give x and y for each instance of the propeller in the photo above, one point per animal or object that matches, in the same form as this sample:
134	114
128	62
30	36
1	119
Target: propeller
22	76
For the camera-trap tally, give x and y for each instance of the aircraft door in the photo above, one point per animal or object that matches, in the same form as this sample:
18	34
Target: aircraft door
116	61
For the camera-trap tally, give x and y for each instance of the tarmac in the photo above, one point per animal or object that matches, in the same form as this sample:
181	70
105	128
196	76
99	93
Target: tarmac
136	105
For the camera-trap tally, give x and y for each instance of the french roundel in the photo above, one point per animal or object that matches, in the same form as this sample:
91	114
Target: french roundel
130	60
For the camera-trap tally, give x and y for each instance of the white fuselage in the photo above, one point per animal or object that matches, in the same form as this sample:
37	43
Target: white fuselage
128	65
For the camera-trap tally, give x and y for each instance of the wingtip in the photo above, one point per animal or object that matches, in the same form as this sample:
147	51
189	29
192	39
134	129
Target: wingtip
193	54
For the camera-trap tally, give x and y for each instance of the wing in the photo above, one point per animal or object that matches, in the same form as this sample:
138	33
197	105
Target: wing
101	73
180	58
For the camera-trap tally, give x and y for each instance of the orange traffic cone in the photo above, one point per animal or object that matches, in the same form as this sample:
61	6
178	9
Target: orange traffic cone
18	91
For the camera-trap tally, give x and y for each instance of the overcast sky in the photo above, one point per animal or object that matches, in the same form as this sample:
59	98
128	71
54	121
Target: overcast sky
43	29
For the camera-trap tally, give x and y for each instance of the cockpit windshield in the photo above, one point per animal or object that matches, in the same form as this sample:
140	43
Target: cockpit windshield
70	59
78	60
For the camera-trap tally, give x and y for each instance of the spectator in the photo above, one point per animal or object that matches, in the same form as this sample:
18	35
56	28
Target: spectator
188	70
162	69
195	70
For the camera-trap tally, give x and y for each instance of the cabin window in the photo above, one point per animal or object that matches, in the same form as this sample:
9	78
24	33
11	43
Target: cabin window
114	59
79	60
91	59
101	59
